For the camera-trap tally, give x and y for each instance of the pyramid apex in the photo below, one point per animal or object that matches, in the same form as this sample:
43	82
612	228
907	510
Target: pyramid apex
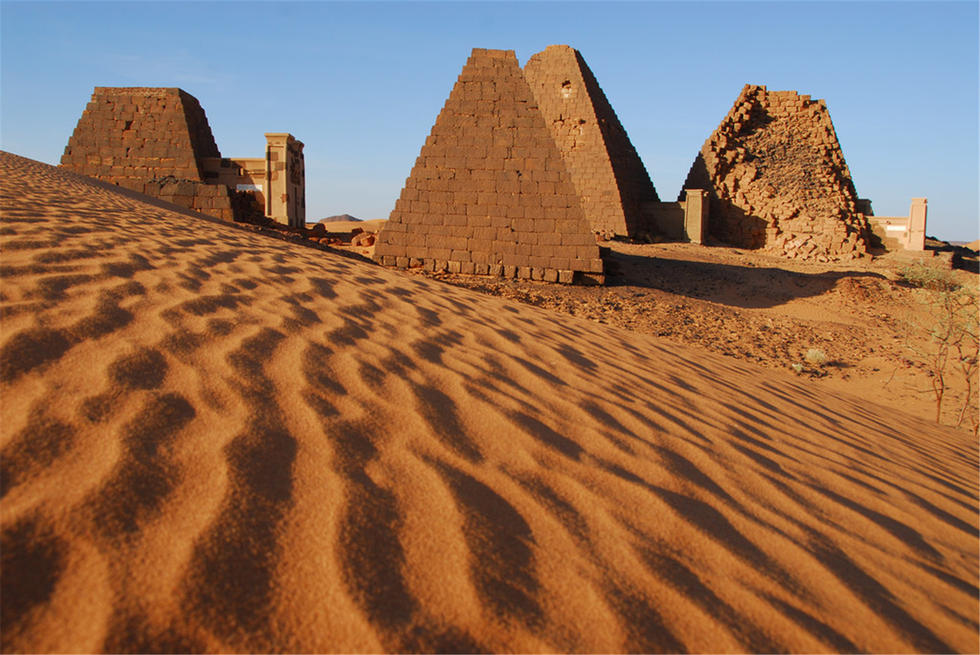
490	53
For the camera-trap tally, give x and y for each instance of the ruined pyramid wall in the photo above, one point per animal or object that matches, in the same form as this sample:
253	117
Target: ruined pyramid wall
150	140
777	179
612	183
490	193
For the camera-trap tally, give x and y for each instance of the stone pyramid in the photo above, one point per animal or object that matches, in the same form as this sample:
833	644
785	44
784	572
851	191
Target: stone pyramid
150	140
777	179
612	183
490	193
136	131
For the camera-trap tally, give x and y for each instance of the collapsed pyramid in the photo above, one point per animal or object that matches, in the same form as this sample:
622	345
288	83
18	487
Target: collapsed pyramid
777	179
150	140
490	192
611	181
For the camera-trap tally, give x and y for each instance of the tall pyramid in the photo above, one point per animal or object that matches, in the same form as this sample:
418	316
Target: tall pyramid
151	140
777	179
490	193
612	183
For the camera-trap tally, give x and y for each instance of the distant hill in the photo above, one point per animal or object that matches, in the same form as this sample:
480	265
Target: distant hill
341	217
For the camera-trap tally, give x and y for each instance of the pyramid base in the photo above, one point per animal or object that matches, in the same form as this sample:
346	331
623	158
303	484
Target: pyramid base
561	276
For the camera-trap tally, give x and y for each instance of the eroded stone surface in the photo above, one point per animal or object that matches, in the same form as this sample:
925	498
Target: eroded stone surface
777	179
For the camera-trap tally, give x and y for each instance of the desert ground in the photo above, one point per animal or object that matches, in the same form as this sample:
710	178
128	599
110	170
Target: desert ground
871	326
869	329
217	441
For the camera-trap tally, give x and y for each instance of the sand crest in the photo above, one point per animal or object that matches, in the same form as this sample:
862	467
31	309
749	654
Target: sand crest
217	441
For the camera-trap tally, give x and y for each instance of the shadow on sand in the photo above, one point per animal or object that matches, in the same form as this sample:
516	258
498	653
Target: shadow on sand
726	284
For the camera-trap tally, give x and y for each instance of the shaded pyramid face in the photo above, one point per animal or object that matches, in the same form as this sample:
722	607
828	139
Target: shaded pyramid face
489	193
612	183
140	133
777	179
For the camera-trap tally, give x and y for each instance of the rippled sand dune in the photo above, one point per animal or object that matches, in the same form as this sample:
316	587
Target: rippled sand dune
213	440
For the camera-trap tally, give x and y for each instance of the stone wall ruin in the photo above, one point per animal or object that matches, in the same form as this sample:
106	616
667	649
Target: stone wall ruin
490	193
777	179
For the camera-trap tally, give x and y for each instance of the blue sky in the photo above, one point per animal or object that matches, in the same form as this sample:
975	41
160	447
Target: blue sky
361	83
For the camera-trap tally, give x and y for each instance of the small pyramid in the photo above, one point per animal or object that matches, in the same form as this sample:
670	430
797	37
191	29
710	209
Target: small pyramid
154	141
490	193
777	179
612	183
135	132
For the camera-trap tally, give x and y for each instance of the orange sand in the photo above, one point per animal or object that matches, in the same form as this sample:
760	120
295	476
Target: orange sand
217	441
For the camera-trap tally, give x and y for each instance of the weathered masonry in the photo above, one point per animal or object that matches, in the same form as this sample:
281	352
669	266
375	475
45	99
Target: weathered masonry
777	179
490	193
158	141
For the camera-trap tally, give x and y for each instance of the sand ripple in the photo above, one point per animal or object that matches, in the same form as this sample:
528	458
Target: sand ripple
216	441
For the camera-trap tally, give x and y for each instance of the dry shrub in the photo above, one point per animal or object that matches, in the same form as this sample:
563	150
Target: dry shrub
945	340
